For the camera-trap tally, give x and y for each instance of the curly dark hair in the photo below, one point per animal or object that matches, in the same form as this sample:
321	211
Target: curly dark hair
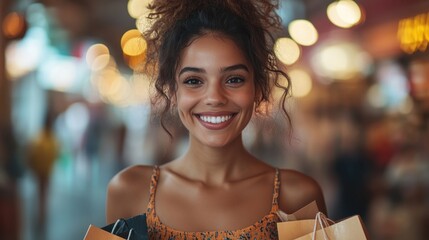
249	23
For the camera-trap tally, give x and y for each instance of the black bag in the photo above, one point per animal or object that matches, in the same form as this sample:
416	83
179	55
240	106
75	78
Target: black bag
134	228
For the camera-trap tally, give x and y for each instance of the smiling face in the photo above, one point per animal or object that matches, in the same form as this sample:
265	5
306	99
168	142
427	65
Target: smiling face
215	90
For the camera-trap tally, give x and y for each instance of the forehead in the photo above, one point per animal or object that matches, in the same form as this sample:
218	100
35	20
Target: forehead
212	49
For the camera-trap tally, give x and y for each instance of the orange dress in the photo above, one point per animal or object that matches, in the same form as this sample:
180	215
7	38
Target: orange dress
266	228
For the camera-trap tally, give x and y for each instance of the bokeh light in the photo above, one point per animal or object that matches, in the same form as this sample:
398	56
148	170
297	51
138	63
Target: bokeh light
60	73
136	63
138	8
128	35
340	60
14	25
303	32
287	51
97	56
301	82
344	13
135	46
25	55
413	33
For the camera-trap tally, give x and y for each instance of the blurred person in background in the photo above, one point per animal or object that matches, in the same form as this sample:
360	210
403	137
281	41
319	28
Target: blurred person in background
351	167
43	151
216	68
401	210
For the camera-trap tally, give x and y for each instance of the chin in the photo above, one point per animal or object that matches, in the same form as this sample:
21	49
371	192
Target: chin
217	141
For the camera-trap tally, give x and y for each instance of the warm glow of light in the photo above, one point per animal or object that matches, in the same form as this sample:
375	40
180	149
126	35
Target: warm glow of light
137	8
113	88
128	35
98	79
94	52
301	82
98	57
101	62
122	96
344	13
136	62
349	11
13	25
110	85
135	46
287	51
340	61
334	59
413	33
303	32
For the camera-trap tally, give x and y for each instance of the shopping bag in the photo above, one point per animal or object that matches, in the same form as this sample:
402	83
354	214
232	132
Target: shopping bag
290	230
322	228
351	228
134	228
309	211
95	233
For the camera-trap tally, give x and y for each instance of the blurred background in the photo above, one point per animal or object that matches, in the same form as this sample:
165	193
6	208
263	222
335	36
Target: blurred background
74	110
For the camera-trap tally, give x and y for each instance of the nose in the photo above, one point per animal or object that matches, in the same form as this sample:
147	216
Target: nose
215	95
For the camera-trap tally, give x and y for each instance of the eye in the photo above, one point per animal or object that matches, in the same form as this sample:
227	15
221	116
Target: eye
235	81
192	81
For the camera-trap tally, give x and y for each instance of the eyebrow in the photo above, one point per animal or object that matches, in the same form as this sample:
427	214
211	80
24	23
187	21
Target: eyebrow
191	69
225	69
235	67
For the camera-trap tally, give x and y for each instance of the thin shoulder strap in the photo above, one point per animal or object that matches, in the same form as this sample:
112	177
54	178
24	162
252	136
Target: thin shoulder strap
275	203
153	182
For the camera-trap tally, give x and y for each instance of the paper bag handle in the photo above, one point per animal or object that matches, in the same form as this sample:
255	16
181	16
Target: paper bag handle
129	234
323	222
115	225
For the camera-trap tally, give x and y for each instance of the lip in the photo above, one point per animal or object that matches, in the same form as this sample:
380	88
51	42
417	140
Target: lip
225	119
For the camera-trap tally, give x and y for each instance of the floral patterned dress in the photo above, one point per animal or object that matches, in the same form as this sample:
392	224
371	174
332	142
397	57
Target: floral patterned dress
266	228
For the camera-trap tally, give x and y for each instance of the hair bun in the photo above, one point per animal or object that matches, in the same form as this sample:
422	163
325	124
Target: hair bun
163	13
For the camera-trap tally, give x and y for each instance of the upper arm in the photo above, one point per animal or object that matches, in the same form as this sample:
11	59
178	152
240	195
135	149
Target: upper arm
128	193
298	190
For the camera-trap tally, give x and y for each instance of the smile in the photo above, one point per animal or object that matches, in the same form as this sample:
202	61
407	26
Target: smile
215	119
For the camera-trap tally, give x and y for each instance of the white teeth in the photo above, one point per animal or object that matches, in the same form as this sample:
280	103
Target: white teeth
215	120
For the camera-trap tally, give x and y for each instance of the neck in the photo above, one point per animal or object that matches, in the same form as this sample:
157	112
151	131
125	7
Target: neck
215	165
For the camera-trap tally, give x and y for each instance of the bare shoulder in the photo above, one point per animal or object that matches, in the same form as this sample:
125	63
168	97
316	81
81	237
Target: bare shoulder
297	190
128	192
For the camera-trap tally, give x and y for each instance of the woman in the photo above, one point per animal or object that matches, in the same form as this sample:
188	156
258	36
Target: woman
215	67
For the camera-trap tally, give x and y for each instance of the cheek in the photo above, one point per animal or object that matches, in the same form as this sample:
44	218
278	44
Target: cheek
246	99
184	101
